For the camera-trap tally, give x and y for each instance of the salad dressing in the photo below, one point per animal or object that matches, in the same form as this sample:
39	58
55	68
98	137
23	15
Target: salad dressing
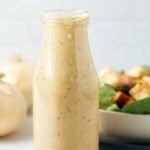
66	113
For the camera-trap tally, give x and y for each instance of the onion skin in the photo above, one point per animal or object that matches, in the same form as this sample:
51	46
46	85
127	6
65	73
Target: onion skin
19	73
13	109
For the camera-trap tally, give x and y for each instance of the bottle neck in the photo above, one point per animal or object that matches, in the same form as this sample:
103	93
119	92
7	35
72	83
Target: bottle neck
65	31
64	37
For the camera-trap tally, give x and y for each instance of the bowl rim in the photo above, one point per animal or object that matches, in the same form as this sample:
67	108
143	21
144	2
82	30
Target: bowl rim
122	113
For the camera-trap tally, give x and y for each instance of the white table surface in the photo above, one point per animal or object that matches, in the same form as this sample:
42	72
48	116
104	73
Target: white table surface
22	140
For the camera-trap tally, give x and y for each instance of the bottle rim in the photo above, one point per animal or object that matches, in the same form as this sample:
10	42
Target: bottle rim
75	17
66	13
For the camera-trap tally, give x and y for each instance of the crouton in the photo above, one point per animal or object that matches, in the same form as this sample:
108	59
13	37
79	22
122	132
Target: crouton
141	90
110	76
146	79
127	80
136	72
125	83
122	99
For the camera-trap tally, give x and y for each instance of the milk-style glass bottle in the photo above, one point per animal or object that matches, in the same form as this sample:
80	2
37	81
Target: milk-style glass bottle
66	113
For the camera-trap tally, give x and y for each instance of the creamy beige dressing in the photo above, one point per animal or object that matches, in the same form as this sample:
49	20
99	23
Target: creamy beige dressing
66	87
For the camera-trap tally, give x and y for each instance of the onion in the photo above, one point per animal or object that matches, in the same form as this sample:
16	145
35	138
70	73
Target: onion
19	72
13	108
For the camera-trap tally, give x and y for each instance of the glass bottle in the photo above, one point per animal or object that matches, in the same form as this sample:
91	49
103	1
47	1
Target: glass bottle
66	113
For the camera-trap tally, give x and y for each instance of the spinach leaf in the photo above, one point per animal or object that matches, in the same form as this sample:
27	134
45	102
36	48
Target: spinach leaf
106	94
138	107
147	68
113	107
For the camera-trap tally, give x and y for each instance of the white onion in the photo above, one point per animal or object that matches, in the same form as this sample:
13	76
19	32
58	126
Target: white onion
19	72
13	109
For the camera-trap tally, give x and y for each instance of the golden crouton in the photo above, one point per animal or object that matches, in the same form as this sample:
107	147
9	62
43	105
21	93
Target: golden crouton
122	99
136	72
126	83
141	90
110	76
146	79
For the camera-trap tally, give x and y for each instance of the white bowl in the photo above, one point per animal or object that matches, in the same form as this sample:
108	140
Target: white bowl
125	126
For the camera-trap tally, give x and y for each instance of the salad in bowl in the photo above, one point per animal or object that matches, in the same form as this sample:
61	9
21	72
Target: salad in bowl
125	91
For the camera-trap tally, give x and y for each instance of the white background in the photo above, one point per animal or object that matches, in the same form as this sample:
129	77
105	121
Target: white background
119	31
119	35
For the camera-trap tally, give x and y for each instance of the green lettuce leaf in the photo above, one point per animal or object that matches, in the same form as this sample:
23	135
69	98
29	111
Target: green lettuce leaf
113	107
106	94
138	107
147	68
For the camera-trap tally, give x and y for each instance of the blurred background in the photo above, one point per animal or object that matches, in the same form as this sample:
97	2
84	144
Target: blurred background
119	30
119	36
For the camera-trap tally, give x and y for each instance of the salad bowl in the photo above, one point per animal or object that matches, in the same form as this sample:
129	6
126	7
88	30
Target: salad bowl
124	104
124	126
